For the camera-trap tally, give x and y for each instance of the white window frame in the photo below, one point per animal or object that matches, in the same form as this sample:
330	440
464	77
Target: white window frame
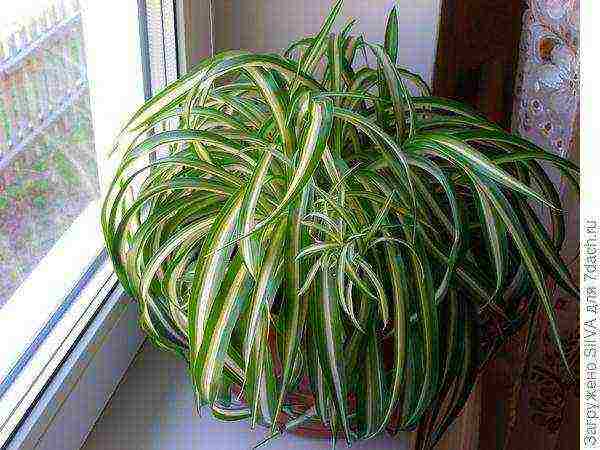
75	315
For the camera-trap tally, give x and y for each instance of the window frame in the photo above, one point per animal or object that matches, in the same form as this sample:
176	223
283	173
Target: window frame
95	304
74	295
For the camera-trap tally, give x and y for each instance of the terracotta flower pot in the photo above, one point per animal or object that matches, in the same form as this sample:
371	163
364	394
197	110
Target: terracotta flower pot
301	399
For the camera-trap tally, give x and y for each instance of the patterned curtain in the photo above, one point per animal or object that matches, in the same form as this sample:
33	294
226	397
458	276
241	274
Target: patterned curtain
527	401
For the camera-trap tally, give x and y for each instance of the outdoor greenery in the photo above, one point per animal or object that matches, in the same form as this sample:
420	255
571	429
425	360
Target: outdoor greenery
42	191
309	217
48	171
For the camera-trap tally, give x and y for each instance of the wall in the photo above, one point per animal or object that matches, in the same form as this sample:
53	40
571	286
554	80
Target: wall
196	16
269	25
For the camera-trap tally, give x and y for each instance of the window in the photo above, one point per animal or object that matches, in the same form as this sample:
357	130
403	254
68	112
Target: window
49	188
71	73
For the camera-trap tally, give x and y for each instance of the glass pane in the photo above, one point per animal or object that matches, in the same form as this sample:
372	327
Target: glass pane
48	169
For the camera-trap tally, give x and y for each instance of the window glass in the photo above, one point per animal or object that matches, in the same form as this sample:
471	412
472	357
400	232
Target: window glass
48	167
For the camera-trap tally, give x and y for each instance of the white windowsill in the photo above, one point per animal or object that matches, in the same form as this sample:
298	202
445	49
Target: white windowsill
154	408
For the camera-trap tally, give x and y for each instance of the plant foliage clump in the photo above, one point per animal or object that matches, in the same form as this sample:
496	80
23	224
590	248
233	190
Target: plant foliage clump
305	216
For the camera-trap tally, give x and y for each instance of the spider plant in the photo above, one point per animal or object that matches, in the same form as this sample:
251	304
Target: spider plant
303	215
